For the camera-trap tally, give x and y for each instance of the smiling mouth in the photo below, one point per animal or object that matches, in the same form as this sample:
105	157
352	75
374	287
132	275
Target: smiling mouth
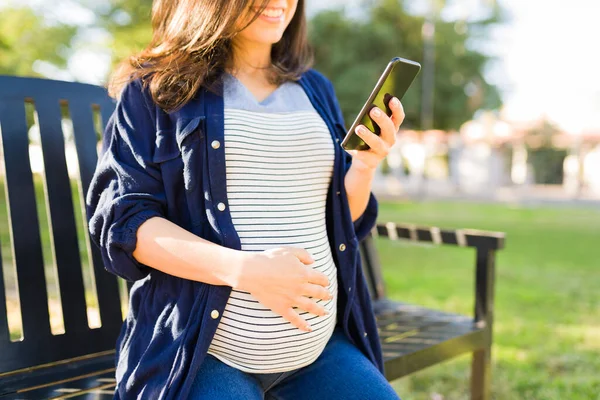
272	12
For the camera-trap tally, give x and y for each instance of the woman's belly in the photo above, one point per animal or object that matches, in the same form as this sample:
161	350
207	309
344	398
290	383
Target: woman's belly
255	339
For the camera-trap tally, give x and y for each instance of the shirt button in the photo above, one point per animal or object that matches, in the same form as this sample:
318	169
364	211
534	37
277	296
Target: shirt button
214	314
221	206
365	334
350	289
215	144
338	193
342	247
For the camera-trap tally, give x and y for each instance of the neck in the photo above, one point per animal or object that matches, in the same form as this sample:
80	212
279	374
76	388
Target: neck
250	59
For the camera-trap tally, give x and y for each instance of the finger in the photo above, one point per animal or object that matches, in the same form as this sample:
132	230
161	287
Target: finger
398	114
302	255
317	277
375	142
388	130
296	319
309	305
315	291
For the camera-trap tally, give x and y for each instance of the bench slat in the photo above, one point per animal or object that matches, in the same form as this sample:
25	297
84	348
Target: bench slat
85	143
63	229
63	380
4	334
24	221
458	237
414	337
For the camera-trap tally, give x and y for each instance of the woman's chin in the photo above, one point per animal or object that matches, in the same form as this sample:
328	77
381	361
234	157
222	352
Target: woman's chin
265	33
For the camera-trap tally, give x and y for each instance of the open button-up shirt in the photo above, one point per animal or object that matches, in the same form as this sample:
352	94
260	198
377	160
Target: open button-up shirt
172	165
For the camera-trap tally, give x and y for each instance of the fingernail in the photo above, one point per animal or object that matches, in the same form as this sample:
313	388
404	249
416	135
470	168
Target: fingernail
359	129
376	112
395	102
308	328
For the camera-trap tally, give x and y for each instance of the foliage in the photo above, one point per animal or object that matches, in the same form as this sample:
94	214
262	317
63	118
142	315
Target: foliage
547	163
128	22
353	53
546	160
26	37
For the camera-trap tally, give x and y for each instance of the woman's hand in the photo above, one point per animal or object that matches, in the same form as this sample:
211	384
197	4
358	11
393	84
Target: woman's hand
282	279
379	145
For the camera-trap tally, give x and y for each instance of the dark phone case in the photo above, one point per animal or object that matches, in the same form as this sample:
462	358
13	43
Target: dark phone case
386	99
352	140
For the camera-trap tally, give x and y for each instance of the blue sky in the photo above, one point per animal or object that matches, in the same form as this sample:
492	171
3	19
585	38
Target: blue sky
548	63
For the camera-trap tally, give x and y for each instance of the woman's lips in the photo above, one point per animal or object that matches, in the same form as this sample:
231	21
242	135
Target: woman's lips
275	15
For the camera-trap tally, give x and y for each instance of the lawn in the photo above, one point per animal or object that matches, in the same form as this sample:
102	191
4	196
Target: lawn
547	315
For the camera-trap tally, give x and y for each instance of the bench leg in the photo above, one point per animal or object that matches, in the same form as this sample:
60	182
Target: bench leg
481	374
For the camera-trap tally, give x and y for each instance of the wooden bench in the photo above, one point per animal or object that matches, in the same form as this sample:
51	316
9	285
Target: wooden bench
79	363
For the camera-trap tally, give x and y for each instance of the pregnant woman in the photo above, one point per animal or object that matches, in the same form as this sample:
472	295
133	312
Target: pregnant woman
222	192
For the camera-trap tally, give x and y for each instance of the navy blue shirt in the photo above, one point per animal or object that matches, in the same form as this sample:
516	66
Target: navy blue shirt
172	165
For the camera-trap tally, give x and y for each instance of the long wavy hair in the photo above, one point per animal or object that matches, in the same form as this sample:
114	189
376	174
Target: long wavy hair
192	45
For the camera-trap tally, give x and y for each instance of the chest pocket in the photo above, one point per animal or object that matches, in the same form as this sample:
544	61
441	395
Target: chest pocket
172	143
166	147
180	145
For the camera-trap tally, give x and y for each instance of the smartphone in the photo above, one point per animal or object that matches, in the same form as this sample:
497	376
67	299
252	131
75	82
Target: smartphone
394	81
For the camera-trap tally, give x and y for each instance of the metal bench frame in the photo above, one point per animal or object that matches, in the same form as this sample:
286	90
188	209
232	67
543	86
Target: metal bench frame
80	362
414	337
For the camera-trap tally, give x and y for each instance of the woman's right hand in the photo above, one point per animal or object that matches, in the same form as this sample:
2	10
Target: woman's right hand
281	279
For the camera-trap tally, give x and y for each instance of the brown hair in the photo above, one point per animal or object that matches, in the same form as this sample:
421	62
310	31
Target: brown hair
191	46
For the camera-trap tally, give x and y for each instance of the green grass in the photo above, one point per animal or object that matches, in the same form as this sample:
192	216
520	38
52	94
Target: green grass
547	308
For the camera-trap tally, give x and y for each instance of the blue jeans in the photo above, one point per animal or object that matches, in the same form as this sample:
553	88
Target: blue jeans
342	371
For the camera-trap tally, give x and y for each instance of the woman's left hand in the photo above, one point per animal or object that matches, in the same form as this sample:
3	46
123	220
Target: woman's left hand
379	145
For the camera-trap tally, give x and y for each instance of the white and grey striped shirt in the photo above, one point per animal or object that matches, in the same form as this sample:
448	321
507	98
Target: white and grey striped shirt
279	160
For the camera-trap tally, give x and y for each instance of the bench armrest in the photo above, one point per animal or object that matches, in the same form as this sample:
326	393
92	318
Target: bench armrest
486	243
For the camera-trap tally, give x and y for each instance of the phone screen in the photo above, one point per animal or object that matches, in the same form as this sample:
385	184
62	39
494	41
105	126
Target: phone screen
395	81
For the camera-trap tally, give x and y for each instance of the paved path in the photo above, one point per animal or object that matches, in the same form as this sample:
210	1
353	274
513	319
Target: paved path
390	189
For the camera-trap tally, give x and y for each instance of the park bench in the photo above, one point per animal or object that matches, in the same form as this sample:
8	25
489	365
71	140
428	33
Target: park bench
79	363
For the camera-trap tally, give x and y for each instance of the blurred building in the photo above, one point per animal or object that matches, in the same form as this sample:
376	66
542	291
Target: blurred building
487	154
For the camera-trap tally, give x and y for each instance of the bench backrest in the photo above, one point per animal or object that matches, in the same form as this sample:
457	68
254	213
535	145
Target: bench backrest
38	345
485	244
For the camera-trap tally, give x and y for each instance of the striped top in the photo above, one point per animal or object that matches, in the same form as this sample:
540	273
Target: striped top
279	159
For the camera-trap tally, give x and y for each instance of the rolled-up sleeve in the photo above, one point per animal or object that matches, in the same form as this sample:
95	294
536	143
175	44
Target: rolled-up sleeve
126	188
365	223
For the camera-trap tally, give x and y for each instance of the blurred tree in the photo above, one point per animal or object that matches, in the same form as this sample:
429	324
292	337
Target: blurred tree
356	52
128	22
546	159
25	38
